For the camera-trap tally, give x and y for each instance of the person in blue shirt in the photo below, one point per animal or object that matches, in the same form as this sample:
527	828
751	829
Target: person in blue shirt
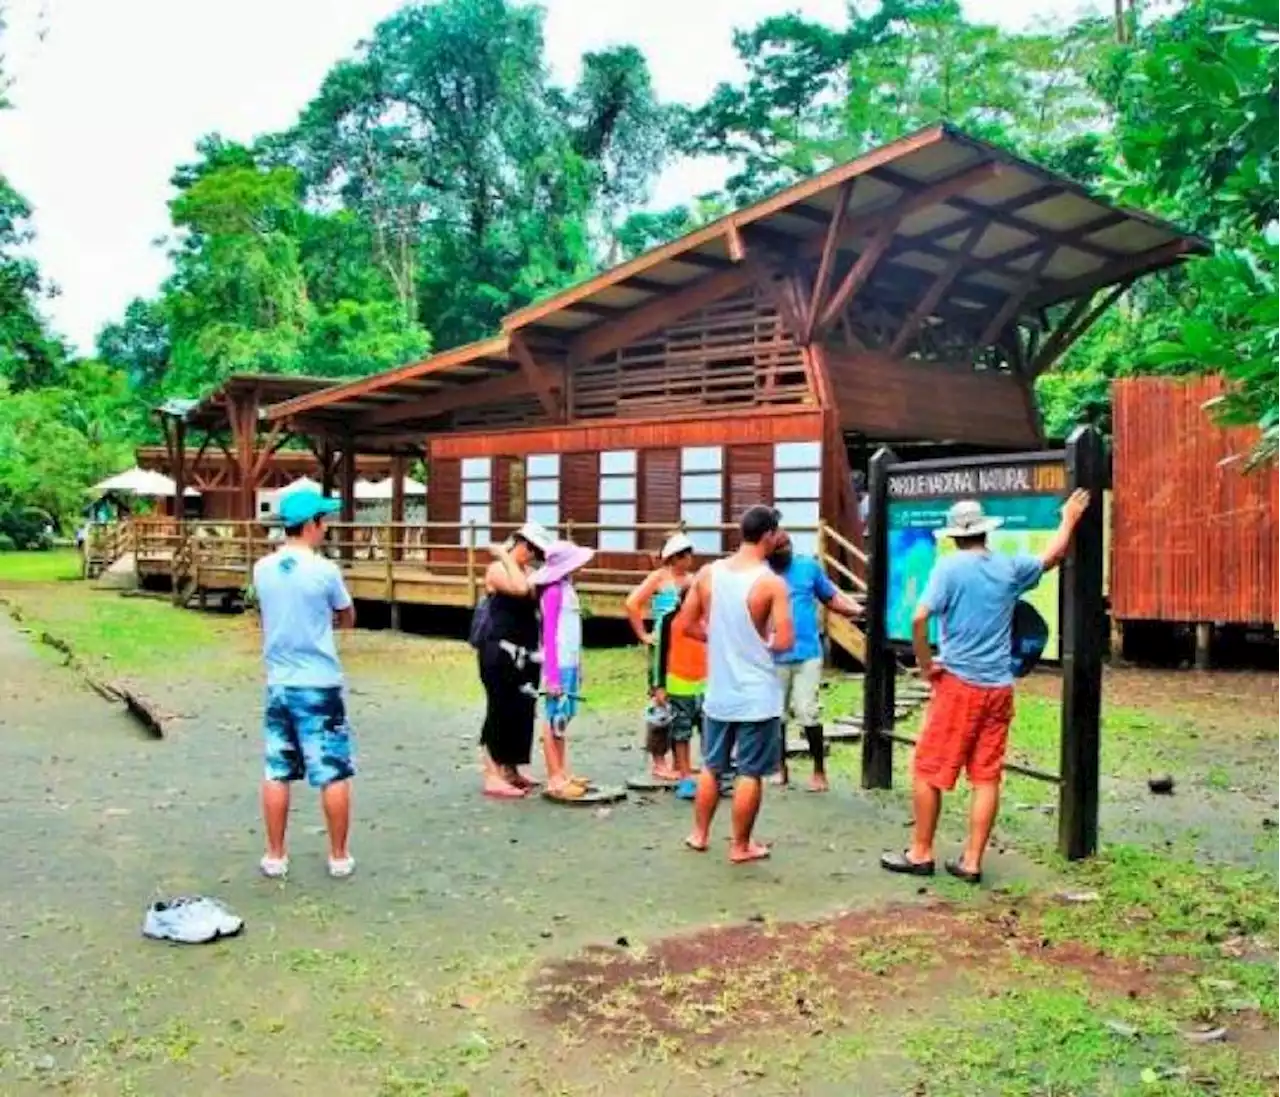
301	597
799	670
973	593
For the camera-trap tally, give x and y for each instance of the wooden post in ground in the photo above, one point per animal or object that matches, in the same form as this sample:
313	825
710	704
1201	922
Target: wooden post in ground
348	513
1204	645
471	563
1083	637
877	695
395	545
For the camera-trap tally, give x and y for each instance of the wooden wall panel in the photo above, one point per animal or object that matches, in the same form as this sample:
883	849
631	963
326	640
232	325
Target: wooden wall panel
711	429
659	491
901	400
580	493
748	481
1192	539
444	490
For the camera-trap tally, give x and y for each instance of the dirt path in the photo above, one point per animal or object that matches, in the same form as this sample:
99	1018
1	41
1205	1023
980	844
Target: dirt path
451	889
418	976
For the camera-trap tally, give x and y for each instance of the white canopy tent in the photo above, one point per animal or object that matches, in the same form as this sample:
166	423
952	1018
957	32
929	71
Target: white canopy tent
141	482
380	490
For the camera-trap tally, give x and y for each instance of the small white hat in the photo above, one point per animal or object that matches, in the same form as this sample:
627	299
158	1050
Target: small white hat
965	519
675	545
536	535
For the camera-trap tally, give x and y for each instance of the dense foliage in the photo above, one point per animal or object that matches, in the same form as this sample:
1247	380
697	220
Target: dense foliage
439	178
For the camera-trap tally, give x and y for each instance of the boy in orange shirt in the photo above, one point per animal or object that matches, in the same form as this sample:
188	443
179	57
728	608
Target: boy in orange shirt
680	665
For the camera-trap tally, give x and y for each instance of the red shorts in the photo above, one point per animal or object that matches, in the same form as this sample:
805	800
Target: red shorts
965	727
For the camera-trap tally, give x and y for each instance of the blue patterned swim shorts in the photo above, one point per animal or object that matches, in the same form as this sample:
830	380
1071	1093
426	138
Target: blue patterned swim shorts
560	710
307	735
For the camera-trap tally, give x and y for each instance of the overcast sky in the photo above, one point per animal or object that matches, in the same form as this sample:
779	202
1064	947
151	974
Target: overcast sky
110	95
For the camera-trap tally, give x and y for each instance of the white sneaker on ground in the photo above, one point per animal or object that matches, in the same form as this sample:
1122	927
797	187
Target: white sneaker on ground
229	923
181	920
275	867
341	867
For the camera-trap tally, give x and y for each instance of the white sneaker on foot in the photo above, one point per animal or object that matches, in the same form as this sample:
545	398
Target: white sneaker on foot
275	867
341	867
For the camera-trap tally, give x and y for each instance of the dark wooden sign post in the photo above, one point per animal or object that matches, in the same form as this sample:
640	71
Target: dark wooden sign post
1081	622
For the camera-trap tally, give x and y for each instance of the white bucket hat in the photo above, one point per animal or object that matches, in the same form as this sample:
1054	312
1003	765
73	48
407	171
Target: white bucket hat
536	535
965	519
675	545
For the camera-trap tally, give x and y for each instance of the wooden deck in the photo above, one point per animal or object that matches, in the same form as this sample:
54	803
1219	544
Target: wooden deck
432	564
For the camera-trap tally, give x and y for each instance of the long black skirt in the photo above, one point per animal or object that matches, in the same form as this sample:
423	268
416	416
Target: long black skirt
510	708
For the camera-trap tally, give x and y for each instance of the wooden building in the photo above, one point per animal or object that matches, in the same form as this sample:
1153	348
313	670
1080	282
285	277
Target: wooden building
1194	533
214	475
911	295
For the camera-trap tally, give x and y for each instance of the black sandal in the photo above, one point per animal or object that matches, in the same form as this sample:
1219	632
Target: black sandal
961	873
902	864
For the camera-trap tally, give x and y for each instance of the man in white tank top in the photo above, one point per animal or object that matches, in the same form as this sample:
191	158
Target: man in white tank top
742	610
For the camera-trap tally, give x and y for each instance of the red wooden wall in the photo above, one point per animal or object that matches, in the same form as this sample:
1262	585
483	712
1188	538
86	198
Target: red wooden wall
1192	539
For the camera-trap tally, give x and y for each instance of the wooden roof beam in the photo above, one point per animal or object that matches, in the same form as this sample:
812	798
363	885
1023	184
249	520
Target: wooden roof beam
538	377
827	262
857	276
460	396
734	243
1071	328
655	314
1012	220
996	325
1132	267
438	363
933	297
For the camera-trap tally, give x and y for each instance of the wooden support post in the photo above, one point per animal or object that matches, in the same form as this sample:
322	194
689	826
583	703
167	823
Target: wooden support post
348	512
1083	636
328	467
471	563
1204	645
877	695
398	469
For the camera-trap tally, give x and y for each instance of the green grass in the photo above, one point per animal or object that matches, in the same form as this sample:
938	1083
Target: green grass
125	634
39	567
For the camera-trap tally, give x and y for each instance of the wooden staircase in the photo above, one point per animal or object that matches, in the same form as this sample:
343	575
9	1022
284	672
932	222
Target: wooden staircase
846	564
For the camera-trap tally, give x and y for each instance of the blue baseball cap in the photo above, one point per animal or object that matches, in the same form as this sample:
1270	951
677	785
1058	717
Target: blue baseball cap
299	507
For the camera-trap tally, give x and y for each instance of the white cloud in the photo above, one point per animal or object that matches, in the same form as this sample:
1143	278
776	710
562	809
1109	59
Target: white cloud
111	95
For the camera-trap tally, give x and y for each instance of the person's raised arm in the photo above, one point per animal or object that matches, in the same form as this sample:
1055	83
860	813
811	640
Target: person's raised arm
783	635
1072	511
505	576
638	600
691	616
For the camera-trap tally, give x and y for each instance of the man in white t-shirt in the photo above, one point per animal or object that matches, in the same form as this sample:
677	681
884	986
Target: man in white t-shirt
301	598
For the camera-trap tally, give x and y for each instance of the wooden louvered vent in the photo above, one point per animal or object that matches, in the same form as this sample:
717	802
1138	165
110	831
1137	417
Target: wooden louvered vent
734	353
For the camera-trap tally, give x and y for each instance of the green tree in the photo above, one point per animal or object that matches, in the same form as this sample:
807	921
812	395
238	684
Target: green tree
815	95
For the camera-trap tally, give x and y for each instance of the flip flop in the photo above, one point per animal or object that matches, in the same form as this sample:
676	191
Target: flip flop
691	844
904	866
569	793
956	869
